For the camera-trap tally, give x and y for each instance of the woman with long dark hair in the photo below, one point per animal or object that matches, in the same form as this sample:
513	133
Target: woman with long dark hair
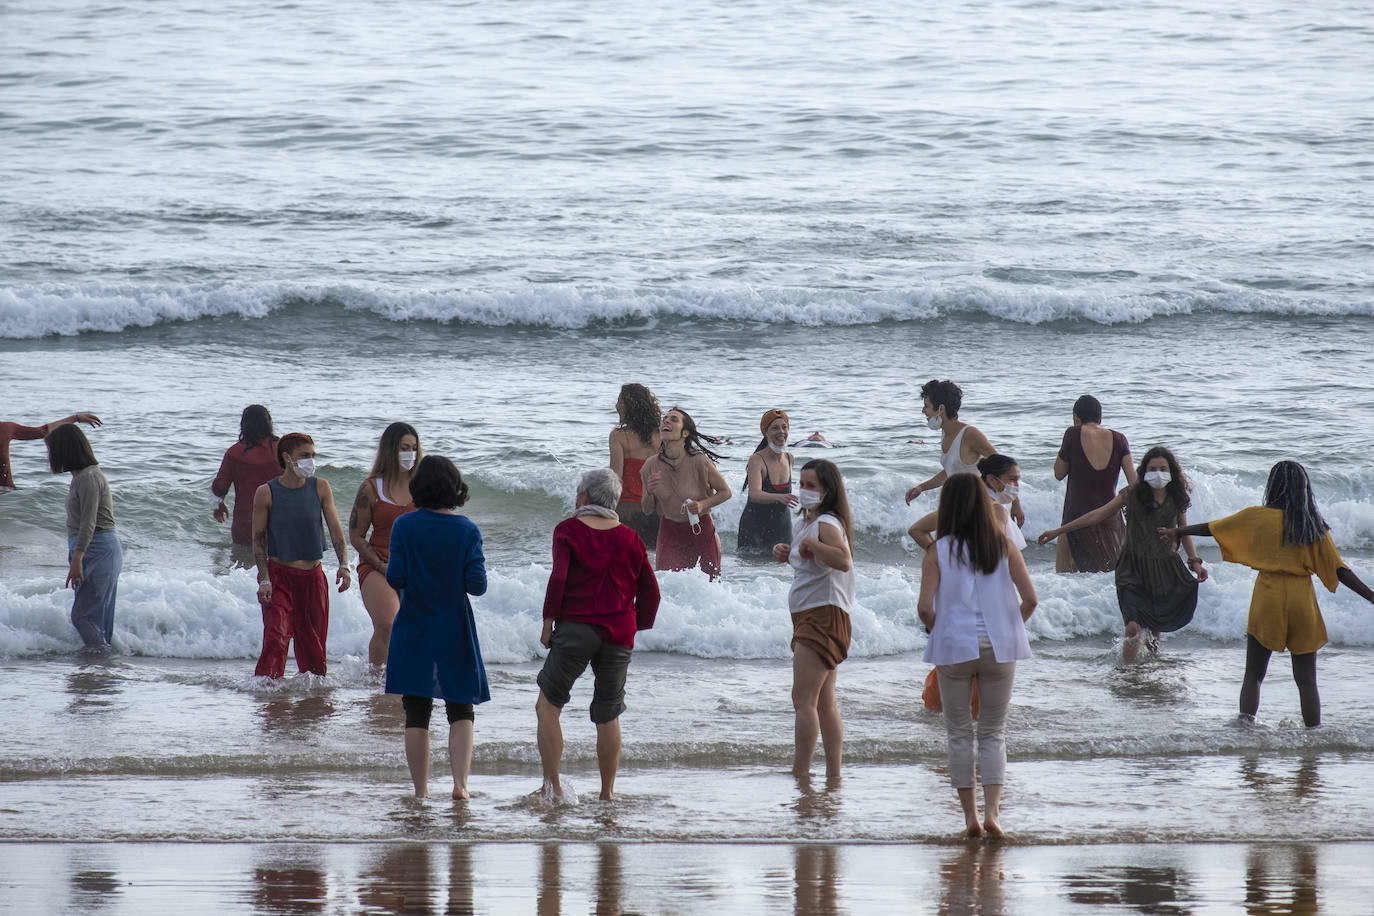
682	485
94	555
632	442
1156	592
382	498
821	597
247	464
767	517
1287	542
970	584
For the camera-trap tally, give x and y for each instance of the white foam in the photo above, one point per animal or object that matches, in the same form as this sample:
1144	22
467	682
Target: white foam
179	614
62	308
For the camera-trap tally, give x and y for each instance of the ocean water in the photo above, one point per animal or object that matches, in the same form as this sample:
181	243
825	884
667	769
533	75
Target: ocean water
483	219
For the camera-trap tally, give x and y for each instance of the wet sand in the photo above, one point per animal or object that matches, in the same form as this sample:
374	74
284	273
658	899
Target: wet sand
552	878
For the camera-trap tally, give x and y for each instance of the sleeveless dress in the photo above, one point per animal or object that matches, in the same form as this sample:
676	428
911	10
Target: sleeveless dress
1153	585
951	461
761	525
1094	548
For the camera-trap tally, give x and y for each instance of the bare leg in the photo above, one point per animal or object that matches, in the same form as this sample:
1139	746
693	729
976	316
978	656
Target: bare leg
832	725
608	756
460	755
382	603
550	740
992	809
808	675
417	758
1130	647
1063	557
1305	676
969	803
1256	666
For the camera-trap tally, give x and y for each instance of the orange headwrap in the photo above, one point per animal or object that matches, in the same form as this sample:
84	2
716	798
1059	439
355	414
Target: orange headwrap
770	416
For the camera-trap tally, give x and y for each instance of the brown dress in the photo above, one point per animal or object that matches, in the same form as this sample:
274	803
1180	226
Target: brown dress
1094	548
1153	586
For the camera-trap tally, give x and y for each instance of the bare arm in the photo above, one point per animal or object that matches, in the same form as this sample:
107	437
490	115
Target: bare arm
922	530
1061	468
1096	516
262	510
1194	561
359	521
647	500
933	483
930	583
1347	577
720	490
829	549
1173	535
1020	577
1128	468
336	534
89	419
617	454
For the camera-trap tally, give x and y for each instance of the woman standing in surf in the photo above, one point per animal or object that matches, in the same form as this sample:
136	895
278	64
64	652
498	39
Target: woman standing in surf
682	484
634	440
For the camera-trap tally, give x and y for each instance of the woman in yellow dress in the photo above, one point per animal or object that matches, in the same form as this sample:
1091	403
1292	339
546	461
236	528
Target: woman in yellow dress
1287	541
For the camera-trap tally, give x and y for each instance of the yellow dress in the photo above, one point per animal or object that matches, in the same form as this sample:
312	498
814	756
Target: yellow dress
1283	607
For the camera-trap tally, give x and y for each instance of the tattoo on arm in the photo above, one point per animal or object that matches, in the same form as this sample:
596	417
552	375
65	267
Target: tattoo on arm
341	549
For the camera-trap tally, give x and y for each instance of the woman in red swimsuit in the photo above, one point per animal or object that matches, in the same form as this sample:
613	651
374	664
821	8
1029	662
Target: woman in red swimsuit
632	441
382	498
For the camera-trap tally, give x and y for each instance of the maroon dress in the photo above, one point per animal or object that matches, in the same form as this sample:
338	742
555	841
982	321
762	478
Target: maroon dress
1094	548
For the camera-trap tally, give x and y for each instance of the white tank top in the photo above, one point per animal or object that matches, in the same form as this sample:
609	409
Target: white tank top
950	460
816	584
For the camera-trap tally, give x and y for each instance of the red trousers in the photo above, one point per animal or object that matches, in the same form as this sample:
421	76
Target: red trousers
299	608
679	548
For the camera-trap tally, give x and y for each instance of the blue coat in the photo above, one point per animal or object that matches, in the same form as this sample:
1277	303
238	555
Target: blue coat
436	562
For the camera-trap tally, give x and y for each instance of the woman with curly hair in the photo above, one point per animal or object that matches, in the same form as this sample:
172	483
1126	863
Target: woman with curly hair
682	484
635	439
1155	591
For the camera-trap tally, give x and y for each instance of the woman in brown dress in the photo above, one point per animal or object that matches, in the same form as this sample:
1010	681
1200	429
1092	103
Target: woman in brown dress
1156	592
1092	457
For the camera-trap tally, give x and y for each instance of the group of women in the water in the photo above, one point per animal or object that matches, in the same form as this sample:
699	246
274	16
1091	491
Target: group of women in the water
418	561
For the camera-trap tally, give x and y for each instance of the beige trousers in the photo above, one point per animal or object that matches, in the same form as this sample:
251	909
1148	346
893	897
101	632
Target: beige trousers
994	695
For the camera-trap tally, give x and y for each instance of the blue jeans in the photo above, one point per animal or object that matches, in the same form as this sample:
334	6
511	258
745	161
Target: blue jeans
93	608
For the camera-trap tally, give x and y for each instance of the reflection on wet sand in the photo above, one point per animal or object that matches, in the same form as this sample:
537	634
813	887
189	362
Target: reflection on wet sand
1305	781
817	875
1141	888
92	688
400	881
610	880
1281	880
285	885
971	880
550	897
818	803
95	883
294	715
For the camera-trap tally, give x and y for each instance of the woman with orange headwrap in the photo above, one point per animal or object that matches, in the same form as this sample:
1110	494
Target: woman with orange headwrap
766	519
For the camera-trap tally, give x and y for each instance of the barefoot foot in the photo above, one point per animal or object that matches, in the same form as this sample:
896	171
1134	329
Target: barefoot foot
460	793
973	831
993	828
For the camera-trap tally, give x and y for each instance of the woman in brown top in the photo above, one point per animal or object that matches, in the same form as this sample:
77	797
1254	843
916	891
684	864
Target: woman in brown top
1092	457
682	484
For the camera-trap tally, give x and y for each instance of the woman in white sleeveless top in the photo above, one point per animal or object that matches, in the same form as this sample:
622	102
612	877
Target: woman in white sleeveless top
969	601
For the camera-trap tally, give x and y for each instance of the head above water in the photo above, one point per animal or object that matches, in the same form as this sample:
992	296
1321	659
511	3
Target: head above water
255	425
996	470
966	515
396	438
823	475
1290	489
437	485
678	426
68	449
1087	409
1159	458
936	394
288	446
639	411
600	487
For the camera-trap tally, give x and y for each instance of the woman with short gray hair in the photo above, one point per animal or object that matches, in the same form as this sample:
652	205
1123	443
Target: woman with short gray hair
601	591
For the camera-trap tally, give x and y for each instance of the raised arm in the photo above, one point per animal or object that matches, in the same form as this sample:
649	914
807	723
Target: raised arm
89	419
1096	516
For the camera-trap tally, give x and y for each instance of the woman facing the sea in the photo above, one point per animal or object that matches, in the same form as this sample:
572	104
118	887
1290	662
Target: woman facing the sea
634	440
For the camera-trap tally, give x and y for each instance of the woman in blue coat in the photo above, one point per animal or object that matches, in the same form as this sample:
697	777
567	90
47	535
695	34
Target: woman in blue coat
436	562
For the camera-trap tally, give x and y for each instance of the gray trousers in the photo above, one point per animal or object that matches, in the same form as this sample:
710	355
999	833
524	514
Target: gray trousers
994	696
94	606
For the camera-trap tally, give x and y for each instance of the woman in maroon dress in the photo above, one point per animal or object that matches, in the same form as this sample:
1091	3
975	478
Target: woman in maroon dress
1093	458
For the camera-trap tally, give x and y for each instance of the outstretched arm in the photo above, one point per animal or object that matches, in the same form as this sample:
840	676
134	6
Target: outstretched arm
89	419
1095	517
933	483
1351	581
1172	535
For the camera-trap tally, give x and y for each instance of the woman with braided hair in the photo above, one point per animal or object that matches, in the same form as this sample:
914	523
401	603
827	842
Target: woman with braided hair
1287	541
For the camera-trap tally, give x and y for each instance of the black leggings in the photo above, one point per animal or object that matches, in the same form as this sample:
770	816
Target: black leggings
1304	675
418	710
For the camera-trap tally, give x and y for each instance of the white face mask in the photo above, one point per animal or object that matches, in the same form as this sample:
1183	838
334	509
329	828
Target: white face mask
1010	493
306	467
1158	479
809	499
778	449
408	460
934	422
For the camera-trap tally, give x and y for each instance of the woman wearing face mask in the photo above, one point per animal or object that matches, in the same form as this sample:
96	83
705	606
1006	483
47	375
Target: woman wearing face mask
821	597
1002	476
382	498
682	484
1156	592
766	520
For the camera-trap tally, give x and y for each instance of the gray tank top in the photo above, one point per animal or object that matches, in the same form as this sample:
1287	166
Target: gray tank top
295	526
